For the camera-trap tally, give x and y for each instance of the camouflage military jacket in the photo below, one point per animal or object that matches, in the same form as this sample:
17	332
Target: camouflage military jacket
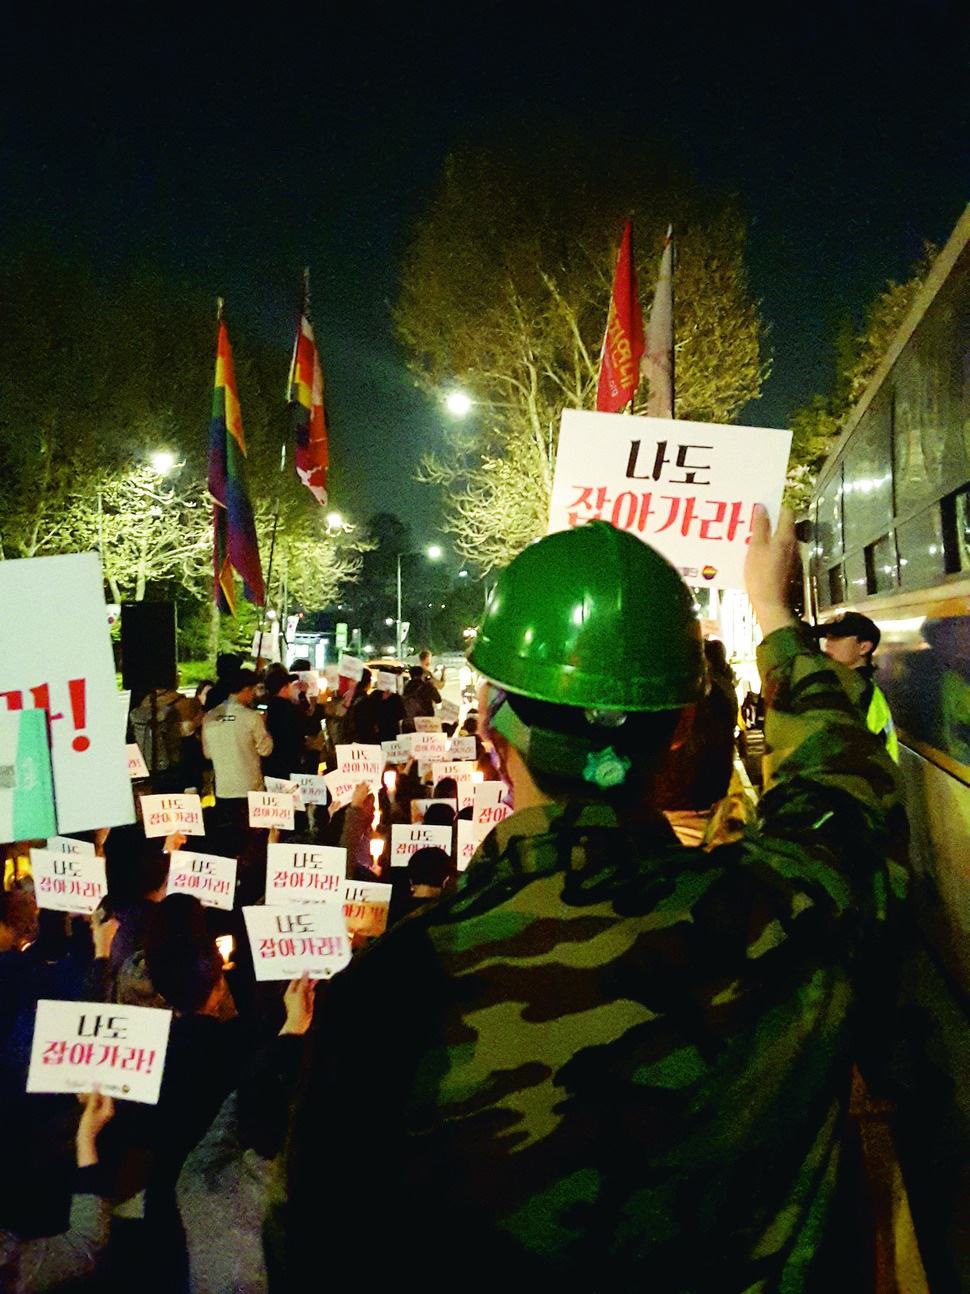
609	1062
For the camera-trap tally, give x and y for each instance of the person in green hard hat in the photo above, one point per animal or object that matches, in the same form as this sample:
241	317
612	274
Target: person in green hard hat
607	1061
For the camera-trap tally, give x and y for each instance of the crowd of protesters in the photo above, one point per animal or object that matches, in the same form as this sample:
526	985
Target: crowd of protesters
613	1054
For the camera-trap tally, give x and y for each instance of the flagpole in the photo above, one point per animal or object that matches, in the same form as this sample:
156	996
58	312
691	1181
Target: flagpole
673	329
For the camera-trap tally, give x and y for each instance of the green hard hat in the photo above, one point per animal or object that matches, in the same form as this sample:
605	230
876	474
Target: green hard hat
592	617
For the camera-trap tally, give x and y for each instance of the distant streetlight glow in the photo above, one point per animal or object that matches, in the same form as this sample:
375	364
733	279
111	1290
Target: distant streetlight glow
434	552
162	462
458	403
335	521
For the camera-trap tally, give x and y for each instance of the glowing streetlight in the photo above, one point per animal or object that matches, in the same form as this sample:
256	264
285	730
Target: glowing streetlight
458	403
434	552
335	521
162	462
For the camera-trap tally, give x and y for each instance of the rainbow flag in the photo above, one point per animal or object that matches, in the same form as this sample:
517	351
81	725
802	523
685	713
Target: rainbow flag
234	528
306	401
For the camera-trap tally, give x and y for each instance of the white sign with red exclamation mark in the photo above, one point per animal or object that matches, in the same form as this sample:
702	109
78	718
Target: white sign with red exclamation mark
64	665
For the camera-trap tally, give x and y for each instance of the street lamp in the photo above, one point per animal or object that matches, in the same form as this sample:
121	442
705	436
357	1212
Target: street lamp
162	462
432	553
458	403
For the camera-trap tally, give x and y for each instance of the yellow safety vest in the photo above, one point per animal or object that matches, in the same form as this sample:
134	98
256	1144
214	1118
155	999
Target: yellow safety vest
879	719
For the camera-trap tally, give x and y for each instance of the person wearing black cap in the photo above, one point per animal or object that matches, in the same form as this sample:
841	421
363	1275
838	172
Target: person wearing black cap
284	723
851	639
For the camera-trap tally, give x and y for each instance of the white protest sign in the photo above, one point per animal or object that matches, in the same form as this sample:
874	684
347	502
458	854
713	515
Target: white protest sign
69	672
305	873
211	878
349	671
462	748
68	882
313	788
288	942
79	1046
66	845
386	681
284	786
136	761
428	746
420	807
398	751
686	488
163	814
406	841
366	763
342	786
488	807
269	809
448	711
461	770
426	723
310	678
468	840
366	905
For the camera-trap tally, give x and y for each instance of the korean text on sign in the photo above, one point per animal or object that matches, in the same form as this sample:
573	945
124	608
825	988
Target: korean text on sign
366	763
79	1046
210	878
68	882
366	905
406	841
305	874
287	942
687	488
268	809
163	814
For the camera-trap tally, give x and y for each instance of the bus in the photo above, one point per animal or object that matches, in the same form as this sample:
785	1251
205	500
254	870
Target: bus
890	537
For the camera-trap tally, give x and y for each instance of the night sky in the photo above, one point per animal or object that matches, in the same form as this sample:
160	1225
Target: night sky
230	151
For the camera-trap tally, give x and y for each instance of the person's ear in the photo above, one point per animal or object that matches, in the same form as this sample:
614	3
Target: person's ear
684	725
866	647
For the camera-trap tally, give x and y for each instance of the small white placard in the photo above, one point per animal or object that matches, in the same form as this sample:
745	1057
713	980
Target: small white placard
285	786
386	681
269	809
80	1046
68	882
136	761
449	712
366	763
288	942
428	746
313	788
366	904
488	807
163	814
68	845
462	748
211	878
427	723
406	841
461	770
399	750
341	786
305	874
350	667
468	841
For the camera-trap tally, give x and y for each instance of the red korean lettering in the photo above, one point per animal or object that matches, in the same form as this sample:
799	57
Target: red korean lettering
54	1053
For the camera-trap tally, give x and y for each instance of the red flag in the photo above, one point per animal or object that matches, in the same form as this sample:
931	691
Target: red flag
306	400
623	343
657	365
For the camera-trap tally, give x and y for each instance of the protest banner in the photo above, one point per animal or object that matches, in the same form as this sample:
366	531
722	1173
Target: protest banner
426	723
163	814
366	763
468	841
285	786
288	942
386	681
211	878
68	882
65	845
136	761
309	682
406	841
305	873
80	1046
342	786
686	488
26	784
462	748
428	746
313	788
268	809
459	769
397	751
69	672
366	904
